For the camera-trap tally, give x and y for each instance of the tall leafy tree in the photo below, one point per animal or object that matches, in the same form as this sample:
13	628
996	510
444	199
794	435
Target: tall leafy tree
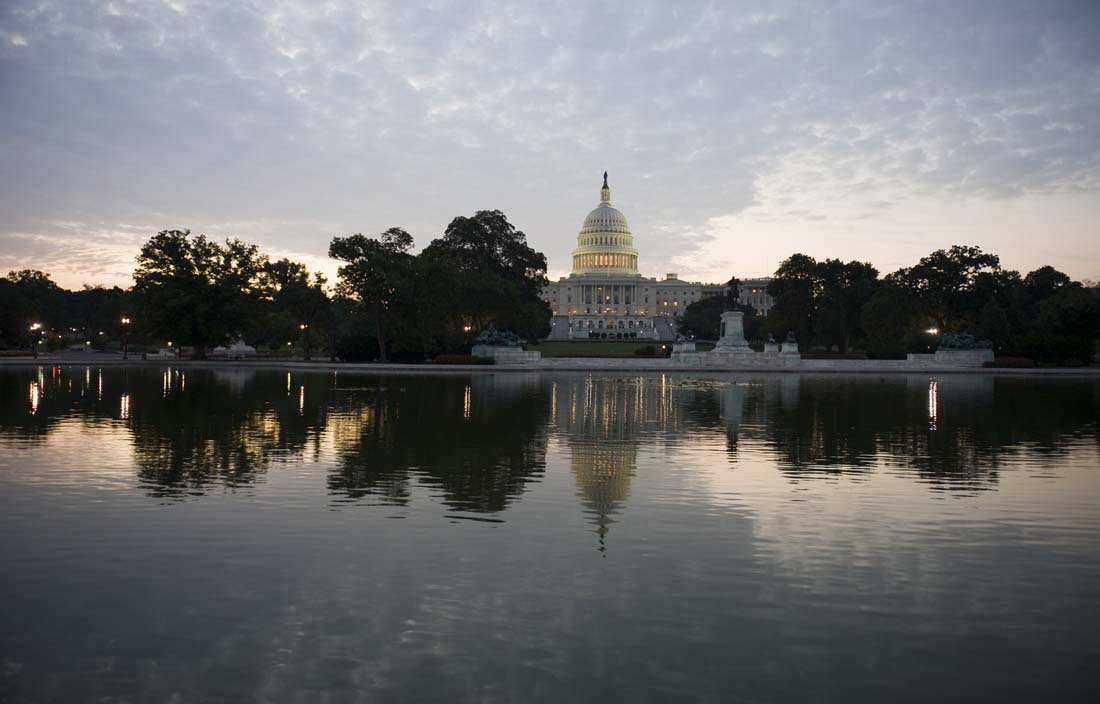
300	301
841	291
376	274
29	296
950	285
793	289
820	301
502	277
196	291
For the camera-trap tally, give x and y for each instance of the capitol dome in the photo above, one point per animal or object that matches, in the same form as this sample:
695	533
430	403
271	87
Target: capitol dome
605	244
605	218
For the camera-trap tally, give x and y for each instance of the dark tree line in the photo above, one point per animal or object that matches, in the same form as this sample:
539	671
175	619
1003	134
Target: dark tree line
60	317
387	302
844	306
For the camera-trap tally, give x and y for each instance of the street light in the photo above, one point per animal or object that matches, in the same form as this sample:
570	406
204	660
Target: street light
35	327
304	327
125	328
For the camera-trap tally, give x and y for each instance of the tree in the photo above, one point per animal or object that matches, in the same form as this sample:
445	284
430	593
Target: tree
501	277
793	290
892	322
40	297
820	301
375	273
298	299
1067	327
703	318
1045	281
196	291
842	289
950	285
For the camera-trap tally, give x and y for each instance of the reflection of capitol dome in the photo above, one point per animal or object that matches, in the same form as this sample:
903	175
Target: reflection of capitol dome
601	419
605	244
603	471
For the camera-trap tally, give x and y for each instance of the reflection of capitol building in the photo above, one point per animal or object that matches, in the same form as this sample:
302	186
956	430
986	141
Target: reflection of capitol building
606	298
602	421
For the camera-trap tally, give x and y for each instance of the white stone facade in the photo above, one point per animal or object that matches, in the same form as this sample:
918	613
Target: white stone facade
605	297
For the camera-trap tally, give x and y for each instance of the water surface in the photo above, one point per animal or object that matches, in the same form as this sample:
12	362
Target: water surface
209	535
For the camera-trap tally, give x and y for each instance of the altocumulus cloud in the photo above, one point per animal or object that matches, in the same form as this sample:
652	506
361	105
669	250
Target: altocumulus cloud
722	124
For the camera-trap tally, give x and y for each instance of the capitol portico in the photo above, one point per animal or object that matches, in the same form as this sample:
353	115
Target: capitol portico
605	296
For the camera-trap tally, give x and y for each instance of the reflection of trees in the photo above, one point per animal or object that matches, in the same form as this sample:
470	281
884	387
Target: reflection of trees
37	399
196	427
477	440
954	431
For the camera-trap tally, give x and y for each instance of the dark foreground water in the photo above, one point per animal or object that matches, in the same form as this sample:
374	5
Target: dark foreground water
186	535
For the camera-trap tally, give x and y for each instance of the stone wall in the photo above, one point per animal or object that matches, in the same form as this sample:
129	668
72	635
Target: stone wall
506	355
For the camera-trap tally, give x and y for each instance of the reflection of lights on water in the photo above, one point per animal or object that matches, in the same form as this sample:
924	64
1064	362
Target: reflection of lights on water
124	407
34	398
933	403
466	402
167	382
99	374
288	383
183	381
302	400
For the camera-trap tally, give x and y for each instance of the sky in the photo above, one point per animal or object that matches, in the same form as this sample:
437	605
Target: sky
735	133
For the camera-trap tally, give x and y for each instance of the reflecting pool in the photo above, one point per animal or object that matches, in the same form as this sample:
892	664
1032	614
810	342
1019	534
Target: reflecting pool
238	535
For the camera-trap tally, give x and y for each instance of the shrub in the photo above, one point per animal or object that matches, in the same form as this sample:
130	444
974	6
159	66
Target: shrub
646	351
962	341
497	338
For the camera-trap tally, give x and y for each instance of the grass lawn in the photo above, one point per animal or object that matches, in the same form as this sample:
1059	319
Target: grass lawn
616	348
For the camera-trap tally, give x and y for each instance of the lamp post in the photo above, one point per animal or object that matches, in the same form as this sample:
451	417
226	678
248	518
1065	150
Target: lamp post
304	327
933	332
125	329
35	327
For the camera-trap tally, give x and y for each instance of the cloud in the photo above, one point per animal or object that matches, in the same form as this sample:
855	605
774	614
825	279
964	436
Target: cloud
367	115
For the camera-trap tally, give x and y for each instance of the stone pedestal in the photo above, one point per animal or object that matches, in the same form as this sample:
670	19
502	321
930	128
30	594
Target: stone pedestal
964	358
771	348
505	355
733	334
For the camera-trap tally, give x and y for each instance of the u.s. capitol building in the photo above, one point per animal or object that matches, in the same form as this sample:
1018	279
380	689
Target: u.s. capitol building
606	298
